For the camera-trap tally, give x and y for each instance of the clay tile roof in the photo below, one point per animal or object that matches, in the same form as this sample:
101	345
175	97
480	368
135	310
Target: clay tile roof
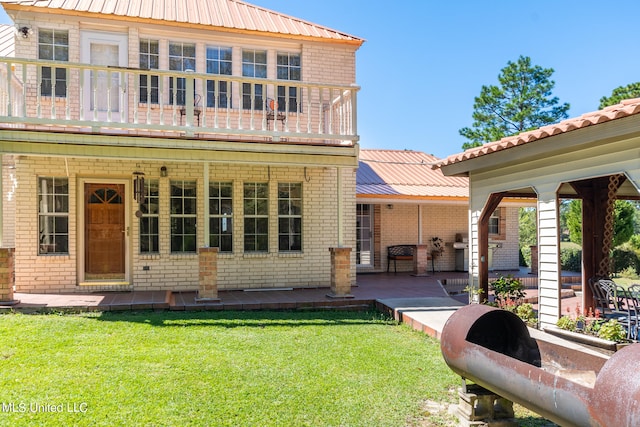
228	14
628	107
7	41
405	173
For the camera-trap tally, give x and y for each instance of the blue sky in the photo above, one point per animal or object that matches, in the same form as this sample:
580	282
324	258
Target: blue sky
424	61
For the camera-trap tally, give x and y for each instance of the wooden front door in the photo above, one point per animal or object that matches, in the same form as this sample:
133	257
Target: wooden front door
104	231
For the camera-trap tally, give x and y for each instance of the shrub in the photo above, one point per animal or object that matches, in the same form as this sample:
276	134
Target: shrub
571	259
566	323
612	331
507	288
625	257
526	313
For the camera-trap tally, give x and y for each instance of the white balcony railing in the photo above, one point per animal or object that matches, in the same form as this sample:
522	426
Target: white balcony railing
104	99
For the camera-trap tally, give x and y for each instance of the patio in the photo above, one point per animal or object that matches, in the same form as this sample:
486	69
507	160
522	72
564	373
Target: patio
393	293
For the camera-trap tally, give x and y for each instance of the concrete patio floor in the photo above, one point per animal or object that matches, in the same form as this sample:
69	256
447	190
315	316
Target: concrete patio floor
420	301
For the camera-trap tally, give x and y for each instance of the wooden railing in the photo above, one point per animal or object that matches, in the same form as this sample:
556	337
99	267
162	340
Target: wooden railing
103	99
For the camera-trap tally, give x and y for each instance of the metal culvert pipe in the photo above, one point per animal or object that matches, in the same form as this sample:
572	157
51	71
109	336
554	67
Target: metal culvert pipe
493	348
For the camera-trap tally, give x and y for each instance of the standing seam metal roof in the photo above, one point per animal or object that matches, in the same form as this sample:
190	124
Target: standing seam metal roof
230	14
405	173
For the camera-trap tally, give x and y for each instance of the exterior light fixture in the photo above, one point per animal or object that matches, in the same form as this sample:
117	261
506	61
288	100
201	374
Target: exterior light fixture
163	171
138	187
25	31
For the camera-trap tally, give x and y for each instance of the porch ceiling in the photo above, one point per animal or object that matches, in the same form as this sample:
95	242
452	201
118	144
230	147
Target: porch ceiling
21	142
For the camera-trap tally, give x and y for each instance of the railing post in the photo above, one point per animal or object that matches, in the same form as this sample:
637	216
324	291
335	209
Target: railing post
9	91
188	98
354	109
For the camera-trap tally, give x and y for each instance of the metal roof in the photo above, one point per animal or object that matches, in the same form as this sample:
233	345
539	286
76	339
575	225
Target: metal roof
405	173
7	41
233	15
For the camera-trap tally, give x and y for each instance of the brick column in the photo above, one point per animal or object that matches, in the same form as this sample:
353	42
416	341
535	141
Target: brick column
208	275
340	273
420	260
7	276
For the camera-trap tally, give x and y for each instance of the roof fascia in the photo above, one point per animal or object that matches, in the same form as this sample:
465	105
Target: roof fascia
572	141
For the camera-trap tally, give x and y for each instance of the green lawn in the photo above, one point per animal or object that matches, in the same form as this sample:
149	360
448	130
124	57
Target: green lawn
219	368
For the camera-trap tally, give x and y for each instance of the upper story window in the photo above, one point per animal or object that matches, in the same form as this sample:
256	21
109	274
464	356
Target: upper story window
288	68
53	215
182	57
254	64
219	62
53	45
149	60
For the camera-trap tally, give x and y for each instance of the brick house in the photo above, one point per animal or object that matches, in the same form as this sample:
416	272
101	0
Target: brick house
135	138
402	200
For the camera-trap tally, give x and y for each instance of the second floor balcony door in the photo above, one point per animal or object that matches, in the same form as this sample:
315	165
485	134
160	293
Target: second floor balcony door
104	92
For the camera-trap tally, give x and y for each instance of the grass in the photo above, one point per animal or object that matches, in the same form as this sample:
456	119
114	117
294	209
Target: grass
220	368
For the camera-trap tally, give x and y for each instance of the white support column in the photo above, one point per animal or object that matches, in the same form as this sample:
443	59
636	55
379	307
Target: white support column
340	208
207	234
549	271
420	224
1	201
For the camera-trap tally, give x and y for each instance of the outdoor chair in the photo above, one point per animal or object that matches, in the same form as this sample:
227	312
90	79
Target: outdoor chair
623	308
599	290
633	294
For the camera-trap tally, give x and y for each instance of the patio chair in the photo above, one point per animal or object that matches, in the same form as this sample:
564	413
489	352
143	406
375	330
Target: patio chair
623	308
633	295
601	300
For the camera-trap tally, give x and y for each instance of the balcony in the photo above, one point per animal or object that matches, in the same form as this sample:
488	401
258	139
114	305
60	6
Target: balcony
82	98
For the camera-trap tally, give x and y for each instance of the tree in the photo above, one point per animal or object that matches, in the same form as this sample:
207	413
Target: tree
528	232
623	226
520	103
632	90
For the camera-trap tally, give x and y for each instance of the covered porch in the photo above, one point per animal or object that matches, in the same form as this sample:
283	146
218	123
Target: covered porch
594	158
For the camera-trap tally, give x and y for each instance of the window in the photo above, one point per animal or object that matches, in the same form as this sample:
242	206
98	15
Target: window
288	68
289	217
219	62
494	222
254	64
498	224
182	57
53	215
149	60
183	216
221	215
149	221
53	45
256	217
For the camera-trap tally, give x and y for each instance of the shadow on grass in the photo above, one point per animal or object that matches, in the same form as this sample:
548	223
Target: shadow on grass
244	319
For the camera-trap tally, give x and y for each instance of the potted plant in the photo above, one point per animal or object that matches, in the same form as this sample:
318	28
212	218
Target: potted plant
437	249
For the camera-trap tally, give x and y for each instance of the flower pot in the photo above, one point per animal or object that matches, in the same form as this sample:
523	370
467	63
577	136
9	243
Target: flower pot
581	338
